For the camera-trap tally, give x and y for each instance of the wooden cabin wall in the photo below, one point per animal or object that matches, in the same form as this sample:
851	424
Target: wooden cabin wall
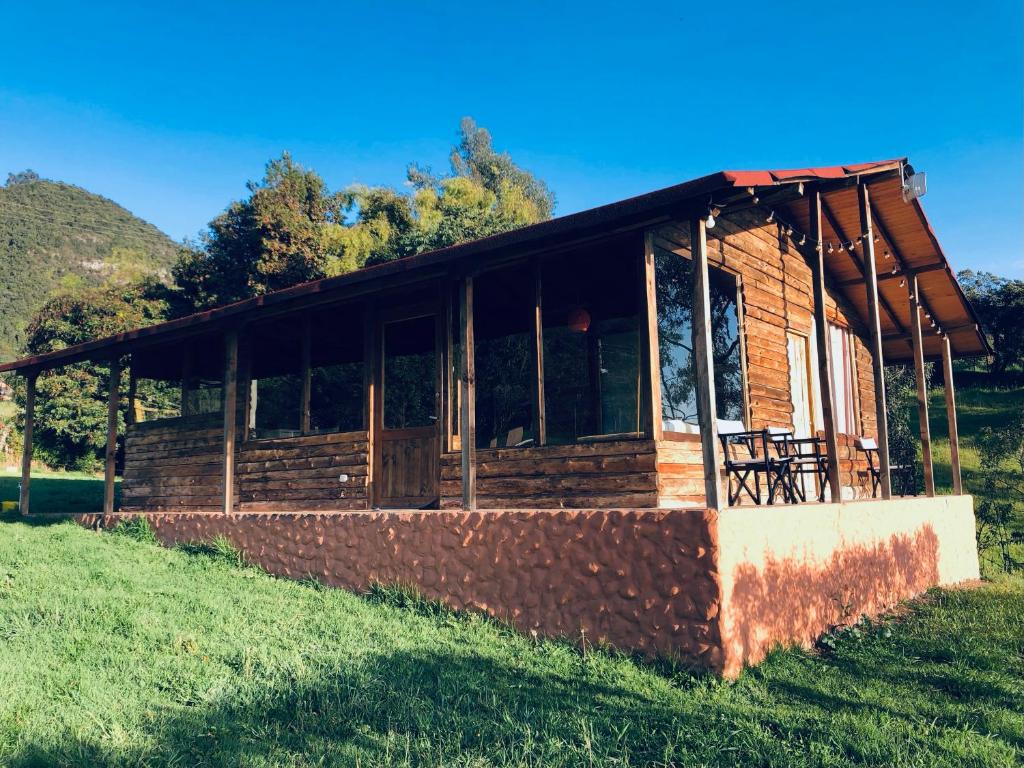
777	297
606	475
303	473
174	465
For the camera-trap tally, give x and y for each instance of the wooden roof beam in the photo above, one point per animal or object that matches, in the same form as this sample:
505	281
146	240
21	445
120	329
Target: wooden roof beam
837	229
898	276
902	263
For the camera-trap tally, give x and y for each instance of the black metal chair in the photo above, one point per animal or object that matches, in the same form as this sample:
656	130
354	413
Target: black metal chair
904	475
747	458
807	459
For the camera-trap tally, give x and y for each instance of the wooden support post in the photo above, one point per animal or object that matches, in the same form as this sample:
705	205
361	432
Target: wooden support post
828	398
875	332
307	376
133	386
468	418
922	387
26	451
707	411
110	458
954	433
229	405
186	380
651	356
370	363
540	429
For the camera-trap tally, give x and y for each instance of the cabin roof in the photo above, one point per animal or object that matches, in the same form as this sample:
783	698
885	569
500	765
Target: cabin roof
903	230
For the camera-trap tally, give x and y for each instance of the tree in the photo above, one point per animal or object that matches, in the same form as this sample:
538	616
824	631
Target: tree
279	236
999	303
292	229
71	411
1000	528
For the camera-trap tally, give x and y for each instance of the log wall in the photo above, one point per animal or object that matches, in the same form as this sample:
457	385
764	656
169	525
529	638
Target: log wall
174	464
609	475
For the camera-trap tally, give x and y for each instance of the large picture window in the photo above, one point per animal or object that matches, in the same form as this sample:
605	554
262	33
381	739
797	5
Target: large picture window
320	354
674	286
275	387
337	375
503	339
591	347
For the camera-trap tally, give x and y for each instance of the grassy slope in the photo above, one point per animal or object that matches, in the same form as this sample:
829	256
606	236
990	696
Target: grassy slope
56	236
115	652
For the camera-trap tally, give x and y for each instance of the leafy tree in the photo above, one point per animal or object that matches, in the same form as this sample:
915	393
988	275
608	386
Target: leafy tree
292	229
71	412
999	302
1000	531
277	237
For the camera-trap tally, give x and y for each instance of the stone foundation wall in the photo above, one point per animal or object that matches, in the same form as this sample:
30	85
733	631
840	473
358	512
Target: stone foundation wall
640	580
713	589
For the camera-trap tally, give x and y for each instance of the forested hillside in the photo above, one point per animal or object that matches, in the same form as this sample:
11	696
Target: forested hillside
55	237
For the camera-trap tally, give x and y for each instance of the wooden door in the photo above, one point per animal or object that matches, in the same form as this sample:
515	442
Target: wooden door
407	450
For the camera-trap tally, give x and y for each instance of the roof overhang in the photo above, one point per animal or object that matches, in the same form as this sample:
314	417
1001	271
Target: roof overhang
907	232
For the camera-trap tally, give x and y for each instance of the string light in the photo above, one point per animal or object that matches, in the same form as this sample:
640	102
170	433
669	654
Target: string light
771	217
903	283
830	247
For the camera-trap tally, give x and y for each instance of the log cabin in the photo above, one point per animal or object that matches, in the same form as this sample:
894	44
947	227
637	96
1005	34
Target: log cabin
535	424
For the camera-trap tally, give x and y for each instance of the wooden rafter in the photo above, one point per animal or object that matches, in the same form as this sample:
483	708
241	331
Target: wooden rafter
838	230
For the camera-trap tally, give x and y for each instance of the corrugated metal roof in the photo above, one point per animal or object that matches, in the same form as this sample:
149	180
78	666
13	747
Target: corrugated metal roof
951	309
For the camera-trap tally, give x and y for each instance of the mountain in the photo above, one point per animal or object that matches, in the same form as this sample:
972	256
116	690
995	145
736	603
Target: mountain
55	237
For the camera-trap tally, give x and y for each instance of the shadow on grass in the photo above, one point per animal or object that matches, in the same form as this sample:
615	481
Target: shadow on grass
54	494
441	707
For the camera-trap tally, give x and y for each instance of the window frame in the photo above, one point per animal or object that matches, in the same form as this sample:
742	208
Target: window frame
305	373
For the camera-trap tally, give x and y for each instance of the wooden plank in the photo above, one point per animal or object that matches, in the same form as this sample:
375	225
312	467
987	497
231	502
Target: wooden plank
825	363
651	355
707	413
468	422
26	451
230	402
954	432
110	457
922	385
540	429
875	338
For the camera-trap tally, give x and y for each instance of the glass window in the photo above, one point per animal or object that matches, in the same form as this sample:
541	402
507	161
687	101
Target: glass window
275	388
410	370
155	399
503	301
674	289
592	342
336	385
202	395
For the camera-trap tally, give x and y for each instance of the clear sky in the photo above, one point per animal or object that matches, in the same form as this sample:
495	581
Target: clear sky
169	109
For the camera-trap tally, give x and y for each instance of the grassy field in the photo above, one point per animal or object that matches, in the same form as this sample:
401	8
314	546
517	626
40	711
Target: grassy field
117	652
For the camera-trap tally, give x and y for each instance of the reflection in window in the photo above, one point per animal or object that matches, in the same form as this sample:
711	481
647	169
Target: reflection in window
591	343
156	399
336	372
202	395
410	370
502	333
674	285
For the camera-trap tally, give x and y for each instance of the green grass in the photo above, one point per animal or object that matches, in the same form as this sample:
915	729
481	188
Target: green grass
57	492
114	651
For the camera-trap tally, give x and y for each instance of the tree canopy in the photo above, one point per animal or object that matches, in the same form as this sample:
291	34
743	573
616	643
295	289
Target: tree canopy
292	229
71	413
999	302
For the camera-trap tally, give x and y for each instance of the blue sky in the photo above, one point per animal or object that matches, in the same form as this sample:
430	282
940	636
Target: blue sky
170	110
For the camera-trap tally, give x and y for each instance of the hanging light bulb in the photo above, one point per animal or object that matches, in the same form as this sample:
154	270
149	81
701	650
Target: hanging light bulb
803	239
771	216
830	247
789	231
888	255
903	283
877	238
712	212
